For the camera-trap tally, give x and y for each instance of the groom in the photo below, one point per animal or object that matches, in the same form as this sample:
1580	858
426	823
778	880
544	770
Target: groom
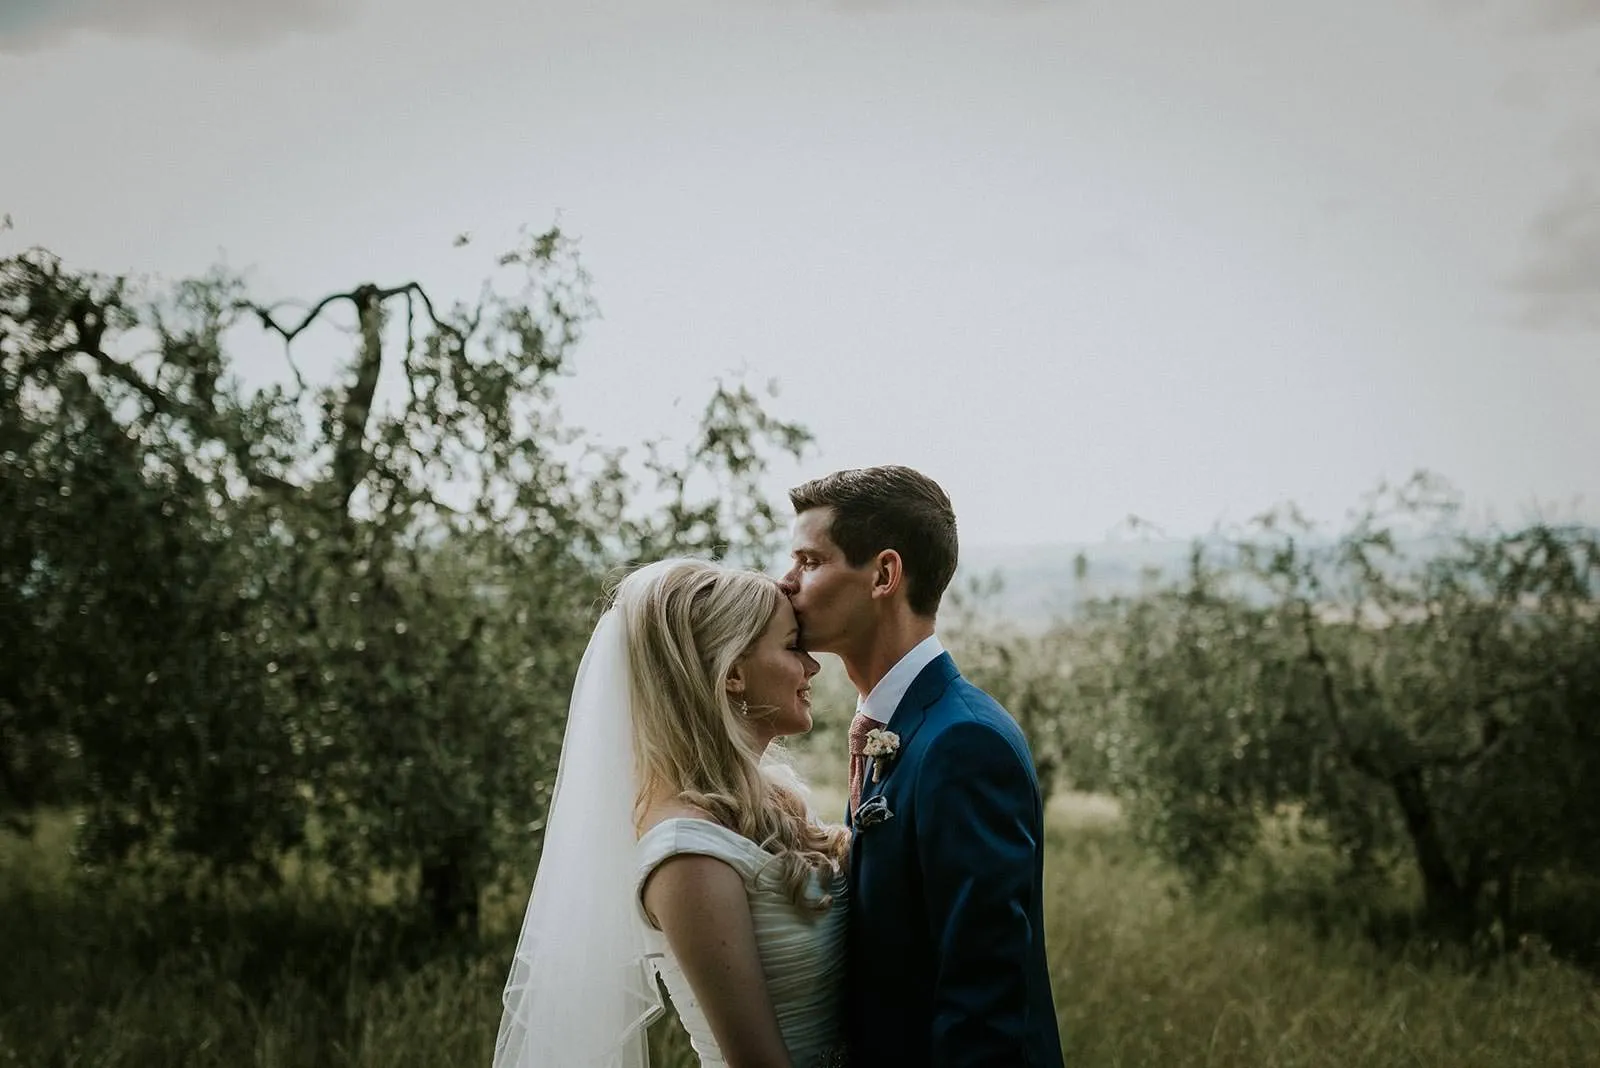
947	962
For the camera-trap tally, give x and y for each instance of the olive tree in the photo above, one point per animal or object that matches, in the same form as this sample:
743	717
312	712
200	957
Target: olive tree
334	615
1409	684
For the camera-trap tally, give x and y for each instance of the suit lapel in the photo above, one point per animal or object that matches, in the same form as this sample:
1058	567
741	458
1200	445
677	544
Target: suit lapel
909	715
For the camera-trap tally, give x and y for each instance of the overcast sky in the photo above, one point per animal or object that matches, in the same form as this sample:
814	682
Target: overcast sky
1075	260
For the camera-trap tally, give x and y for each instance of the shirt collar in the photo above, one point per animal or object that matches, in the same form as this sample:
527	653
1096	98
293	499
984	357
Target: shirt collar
886	696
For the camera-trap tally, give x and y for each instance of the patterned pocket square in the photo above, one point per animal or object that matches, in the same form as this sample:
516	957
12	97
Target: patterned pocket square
873	811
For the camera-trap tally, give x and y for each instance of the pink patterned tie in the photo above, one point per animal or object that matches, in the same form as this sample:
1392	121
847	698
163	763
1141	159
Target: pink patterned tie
859	728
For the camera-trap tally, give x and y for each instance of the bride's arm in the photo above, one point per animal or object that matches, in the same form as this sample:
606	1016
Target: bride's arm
700	905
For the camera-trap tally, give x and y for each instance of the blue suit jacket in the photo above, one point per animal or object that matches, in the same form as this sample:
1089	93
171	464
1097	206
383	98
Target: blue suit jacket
947	963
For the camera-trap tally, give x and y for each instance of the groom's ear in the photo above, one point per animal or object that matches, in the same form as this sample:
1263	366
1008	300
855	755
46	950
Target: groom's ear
888	573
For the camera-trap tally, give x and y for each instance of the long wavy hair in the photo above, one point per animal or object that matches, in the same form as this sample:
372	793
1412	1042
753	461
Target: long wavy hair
688	622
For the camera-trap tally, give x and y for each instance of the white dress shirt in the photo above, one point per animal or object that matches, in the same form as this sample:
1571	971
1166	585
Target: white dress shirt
885	697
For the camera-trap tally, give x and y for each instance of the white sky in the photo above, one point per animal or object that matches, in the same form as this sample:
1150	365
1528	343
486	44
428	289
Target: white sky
1075	260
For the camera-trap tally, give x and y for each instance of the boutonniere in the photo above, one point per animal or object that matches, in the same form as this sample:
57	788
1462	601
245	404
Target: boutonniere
873	811
880	748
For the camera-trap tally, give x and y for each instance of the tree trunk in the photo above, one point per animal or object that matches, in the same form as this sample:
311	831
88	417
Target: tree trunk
449	891
1505	902
1448	901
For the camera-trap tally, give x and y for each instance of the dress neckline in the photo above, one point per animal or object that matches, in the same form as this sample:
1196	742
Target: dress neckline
711	825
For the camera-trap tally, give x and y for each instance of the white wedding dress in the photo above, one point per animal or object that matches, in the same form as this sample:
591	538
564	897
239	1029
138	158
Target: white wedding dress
802	953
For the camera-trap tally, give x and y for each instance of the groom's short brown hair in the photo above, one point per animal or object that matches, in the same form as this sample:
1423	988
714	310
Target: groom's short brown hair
890	507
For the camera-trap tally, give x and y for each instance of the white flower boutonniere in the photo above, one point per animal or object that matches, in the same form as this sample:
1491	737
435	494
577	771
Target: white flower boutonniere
881	747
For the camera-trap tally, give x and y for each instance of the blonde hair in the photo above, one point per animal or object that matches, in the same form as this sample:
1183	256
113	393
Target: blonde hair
688	622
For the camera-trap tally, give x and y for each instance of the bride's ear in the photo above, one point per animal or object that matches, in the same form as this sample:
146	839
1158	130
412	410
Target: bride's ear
735	680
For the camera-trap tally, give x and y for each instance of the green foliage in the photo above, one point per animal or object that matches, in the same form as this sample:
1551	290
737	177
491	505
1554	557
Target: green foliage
1418	692
710	500
335	617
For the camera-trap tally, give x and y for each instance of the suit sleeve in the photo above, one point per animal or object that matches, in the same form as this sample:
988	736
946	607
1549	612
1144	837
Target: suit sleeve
978	835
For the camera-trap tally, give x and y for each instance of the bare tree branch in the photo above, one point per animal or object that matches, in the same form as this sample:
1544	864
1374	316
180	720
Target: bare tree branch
352	460
355	297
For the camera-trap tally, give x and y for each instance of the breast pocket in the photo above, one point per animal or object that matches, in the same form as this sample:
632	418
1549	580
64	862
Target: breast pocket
888	876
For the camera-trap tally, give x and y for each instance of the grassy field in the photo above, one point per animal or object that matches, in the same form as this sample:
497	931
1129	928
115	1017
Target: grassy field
1143	977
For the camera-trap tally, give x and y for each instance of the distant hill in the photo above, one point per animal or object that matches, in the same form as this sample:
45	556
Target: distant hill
1039	583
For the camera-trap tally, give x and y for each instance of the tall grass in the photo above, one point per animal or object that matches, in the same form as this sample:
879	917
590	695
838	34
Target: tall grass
121	977
1145	977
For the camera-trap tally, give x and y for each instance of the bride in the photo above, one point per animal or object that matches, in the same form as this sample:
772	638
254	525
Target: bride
674	849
